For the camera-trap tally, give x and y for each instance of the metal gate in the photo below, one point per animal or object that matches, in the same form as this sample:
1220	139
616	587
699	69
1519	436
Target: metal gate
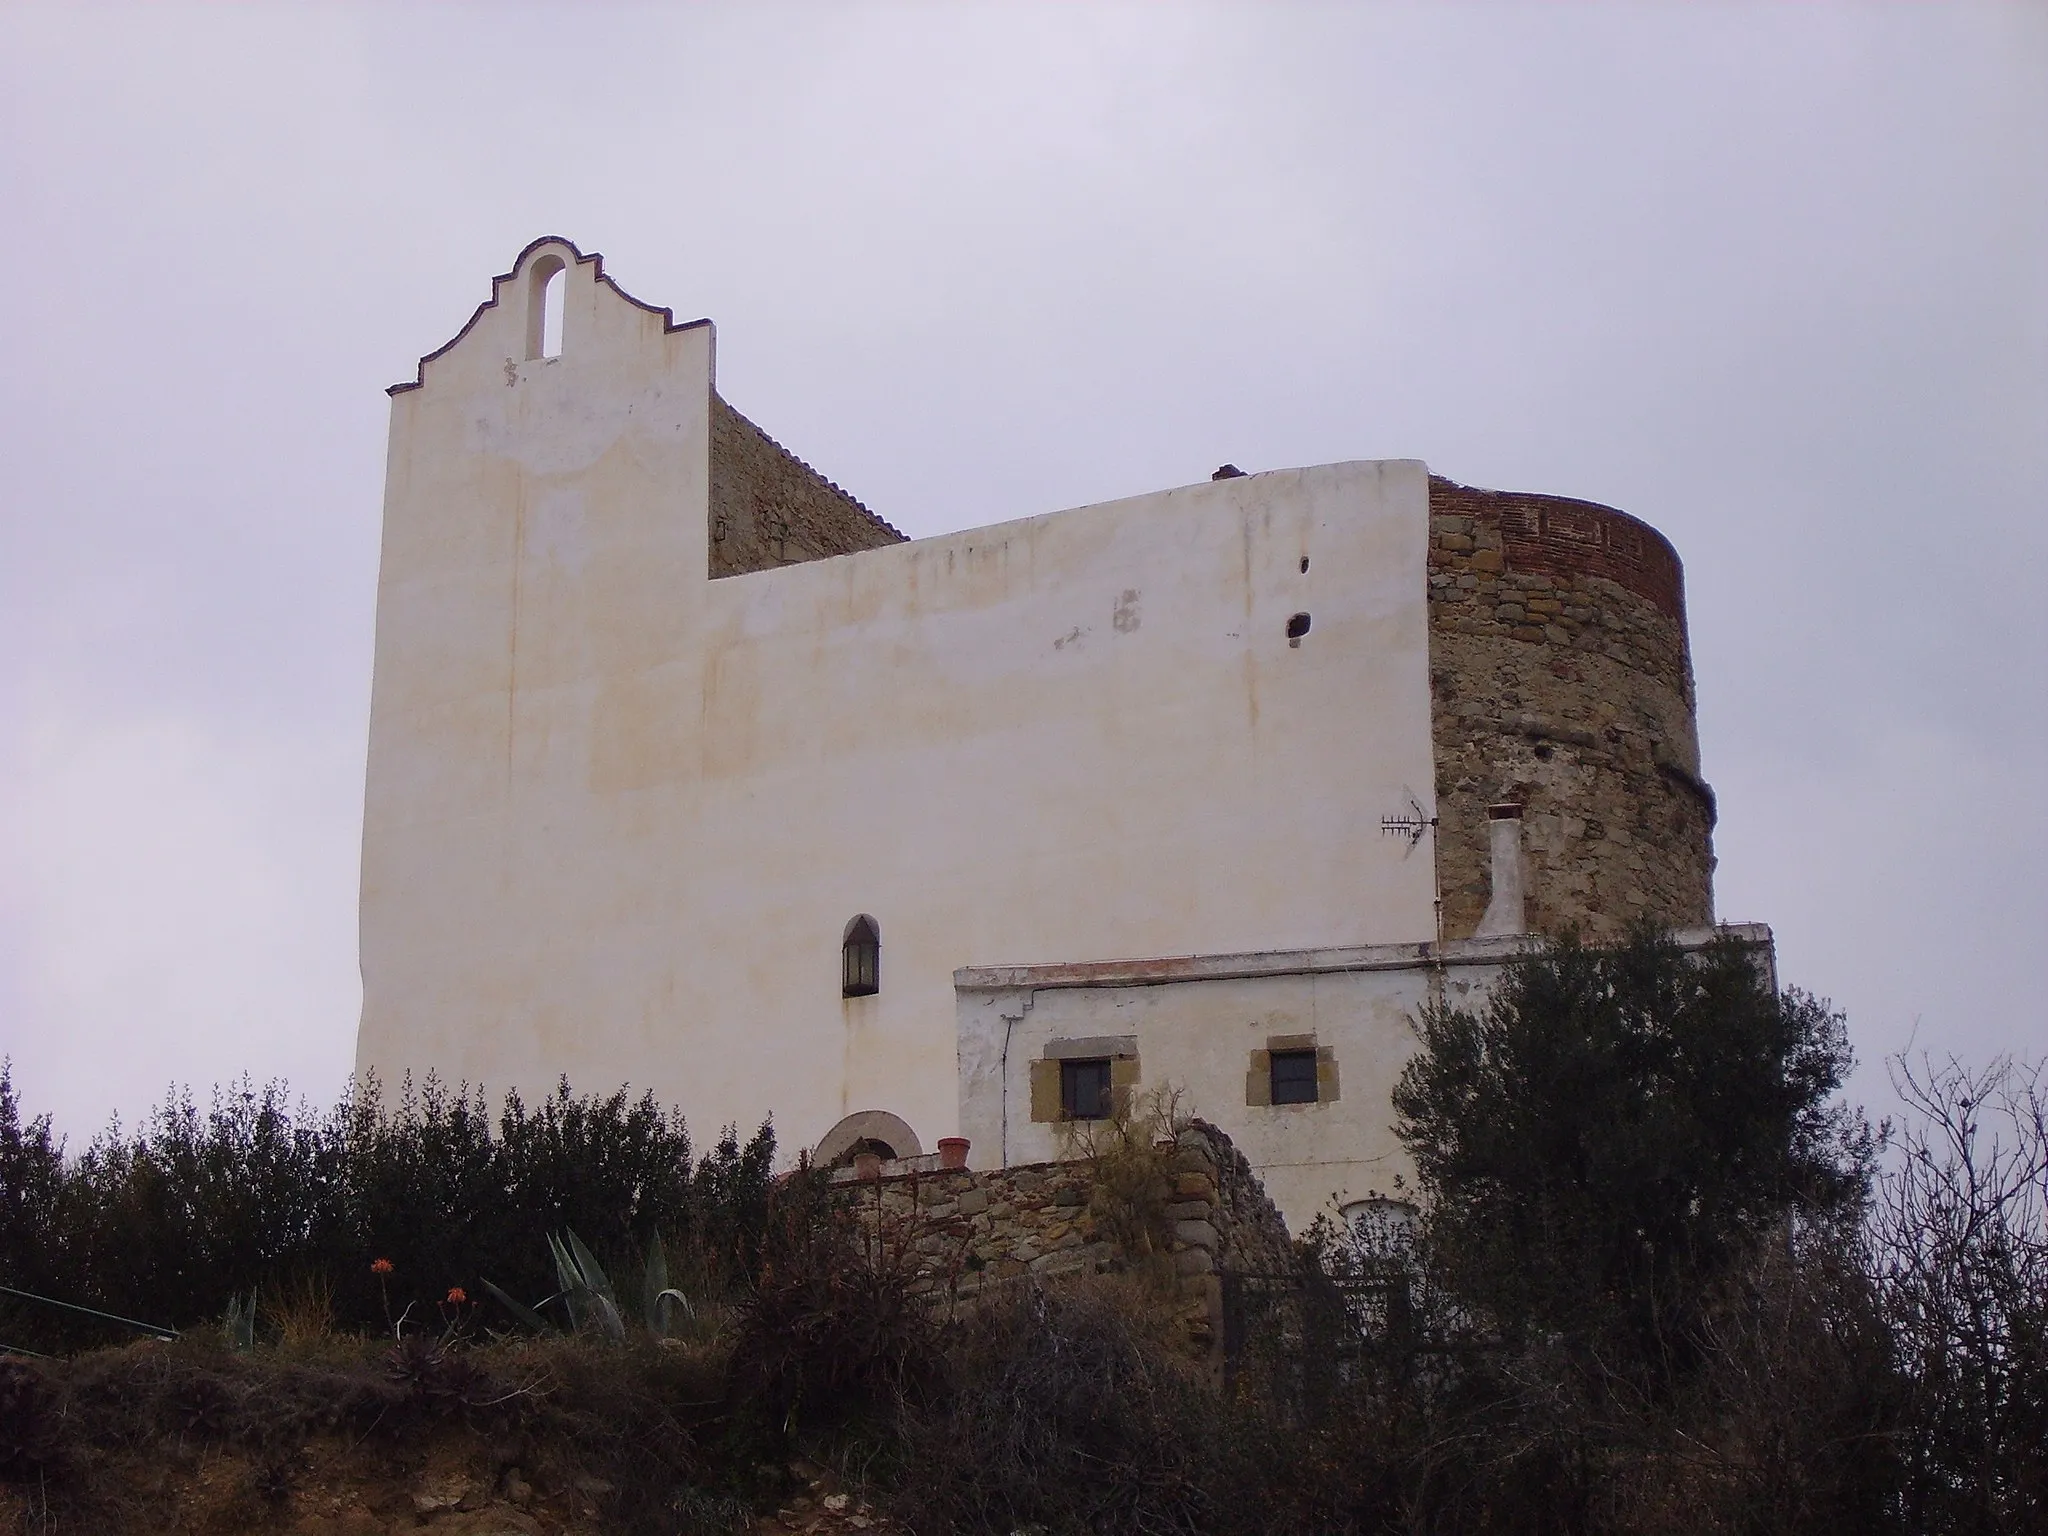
1305	1334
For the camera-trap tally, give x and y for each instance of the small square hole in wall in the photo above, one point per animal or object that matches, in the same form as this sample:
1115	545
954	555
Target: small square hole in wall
1294	1077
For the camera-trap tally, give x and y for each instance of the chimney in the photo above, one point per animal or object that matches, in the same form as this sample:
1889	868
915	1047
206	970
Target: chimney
1504	915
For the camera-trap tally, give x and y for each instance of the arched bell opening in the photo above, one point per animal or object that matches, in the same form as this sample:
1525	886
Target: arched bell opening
546	289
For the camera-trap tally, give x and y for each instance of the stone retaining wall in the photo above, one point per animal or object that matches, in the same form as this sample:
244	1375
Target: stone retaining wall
975	1233
1560	678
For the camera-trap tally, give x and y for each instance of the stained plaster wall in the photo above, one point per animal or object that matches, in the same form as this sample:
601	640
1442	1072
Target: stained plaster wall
618	813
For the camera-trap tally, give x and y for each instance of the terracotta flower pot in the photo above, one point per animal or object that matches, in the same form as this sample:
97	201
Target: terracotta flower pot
867	1165
953	1151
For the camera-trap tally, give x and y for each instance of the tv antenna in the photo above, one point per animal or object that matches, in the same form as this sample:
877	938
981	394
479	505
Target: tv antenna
1410	825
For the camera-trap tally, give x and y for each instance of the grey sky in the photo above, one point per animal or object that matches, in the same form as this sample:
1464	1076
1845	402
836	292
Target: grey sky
1774	280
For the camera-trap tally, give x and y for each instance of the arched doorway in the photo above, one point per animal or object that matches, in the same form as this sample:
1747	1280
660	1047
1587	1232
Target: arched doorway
867	1130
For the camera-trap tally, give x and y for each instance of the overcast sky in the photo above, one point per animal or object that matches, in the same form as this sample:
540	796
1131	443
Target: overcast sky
1774	280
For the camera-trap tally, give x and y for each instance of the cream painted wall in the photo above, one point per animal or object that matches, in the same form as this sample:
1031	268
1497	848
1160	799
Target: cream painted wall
618	815
1195	1023
1196	1037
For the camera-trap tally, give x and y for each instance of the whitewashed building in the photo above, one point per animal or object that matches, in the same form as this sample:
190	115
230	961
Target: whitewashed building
688	771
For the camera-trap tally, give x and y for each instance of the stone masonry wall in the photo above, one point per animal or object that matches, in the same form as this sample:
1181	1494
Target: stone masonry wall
769	508
977	1233
1560	678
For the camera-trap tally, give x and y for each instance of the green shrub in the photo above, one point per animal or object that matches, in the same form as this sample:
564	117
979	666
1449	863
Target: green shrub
259	1194
1615	1132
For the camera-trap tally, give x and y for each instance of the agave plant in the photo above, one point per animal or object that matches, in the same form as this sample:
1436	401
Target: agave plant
586	1289
660	1301
586	1292
238	1324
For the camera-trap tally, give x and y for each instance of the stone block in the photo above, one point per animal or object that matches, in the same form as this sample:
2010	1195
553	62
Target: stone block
972	1202
1067	1262
1193	1261
1196	1234
1190	1210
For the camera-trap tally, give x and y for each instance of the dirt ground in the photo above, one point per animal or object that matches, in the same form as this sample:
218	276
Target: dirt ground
330	1487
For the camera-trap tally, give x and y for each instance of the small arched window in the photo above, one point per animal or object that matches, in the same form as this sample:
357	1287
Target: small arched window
860	958
546	293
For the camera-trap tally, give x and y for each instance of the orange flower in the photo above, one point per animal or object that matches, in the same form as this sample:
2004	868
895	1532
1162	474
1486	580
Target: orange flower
457	1296
380	1266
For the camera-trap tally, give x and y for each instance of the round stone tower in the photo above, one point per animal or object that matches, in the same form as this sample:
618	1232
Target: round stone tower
1561	681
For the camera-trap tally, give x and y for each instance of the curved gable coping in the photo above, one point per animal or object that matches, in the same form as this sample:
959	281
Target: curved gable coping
668	318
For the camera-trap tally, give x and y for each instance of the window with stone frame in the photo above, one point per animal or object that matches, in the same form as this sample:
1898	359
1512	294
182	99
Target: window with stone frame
1085	1092
1294	1077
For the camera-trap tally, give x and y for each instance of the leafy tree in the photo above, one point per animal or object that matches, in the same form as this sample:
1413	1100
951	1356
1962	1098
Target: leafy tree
31	1184
1612	1135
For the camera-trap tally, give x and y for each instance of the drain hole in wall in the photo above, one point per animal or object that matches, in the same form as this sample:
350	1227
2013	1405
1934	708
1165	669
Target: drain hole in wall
1304	565
1296	628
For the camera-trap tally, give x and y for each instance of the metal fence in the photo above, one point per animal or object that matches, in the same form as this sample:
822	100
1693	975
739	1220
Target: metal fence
8	1292
1306	1334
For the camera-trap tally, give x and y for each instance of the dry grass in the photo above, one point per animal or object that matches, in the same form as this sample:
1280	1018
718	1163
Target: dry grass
300	1313
1130	1160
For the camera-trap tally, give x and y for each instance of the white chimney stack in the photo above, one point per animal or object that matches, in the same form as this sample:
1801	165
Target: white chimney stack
1504	915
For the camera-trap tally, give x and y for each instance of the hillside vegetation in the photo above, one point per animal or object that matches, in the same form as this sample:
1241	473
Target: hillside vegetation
1657	1278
